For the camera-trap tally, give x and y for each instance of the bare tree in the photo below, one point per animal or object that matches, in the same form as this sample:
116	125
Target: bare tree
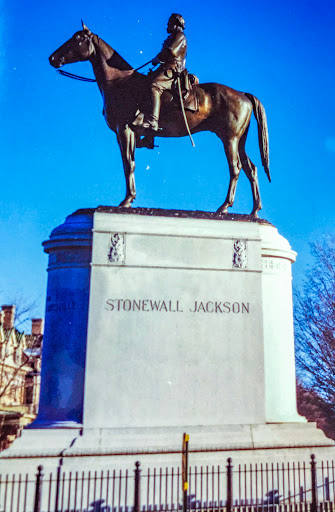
25	308
14	357
315	329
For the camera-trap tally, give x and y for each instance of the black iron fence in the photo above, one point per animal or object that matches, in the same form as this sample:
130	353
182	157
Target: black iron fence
277	487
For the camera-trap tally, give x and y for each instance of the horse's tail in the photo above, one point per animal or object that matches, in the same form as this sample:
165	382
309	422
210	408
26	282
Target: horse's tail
263	135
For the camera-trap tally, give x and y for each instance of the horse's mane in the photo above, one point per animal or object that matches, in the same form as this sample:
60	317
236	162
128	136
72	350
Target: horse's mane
113	58
118	62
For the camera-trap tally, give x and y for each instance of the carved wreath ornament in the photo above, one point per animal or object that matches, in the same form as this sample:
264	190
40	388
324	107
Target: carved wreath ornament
117	248
240	254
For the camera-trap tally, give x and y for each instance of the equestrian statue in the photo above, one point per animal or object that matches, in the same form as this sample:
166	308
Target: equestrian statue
169	102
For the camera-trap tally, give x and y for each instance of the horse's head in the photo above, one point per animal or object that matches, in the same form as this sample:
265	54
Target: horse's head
79	48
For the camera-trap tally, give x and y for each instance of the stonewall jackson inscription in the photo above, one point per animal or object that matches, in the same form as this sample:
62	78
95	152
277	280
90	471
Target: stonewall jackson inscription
176	306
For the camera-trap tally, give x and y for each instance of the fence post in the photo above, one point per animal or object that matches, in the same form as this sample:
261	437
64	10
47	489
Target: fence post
38	489
229	485
57	485
327	489
137	487
301	494
314	506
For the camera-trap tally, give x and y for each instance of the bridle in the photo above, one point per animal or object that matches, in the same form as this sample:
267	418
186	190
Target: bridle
75	77
85	79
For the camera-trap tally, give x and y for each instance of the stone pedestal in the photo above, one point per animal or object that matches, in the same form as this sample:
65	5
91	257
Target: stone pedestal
186	322
190	323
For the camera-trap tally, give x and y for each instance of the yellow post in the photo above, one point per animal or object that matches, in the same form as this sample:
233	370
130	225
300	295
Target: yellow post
184	466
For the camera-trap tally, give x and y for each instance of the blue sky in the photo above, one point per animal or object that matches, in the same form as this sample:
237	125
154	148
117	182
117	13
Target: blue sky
58	154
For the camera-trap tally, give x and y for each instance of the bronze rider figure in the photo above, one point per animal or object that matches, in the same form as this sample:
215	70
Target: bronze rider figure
172	60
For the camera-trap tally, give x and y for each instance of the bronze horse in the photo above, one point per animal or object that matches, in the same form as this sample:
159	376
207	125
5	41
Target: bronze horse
222	110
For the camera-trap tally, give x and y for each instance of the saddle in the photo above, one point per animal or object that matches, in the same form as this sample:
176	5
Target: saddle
188	83
171	100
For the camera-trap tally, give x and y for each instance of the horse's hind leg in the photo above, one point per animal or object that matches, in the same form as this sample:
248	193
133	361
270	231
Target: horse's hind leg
251	171
126	140
235	166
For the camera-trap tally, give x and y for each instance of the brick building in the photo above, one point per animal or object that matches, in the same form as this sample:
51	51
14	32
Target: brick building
20	364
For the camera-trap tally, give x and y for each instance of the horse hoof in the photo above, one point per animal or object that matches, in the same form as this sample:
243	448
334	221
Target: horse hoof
126	203
222	209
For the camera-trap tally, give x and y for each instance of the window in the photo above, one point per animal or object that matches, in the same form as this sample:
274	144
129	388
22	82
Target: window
29	390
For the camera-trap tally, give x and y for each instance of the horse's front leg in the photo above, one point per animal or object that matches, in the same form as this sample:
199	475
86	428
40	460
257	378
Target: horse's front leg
126	140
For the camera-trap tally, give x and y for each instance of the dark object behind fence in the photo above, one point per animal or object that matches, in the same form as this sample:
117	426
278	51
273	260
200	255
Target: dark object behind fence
276	487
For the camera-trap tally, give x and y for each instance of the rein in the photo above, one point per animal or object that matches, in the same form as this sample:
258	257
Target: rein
84	79
75	77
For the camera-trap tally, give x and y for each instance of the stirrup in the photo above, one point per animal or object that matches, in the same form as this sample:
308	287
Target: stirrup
148	141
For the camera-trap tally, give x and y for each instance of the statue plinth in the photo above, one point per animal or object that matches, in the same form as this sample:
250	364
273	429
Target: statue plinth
162	322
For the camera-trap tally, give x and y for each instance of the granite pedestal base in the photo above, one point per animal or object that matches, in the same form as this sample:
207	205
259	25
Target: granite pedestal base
159	323
161	447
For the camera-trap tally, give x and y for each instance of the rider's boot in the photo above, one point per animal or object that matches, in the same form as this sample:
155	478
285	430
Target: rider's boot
145	124
150	122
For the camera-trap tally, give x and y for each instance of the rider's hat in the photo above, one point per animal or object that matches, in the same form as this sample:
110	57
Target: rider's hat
179	20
